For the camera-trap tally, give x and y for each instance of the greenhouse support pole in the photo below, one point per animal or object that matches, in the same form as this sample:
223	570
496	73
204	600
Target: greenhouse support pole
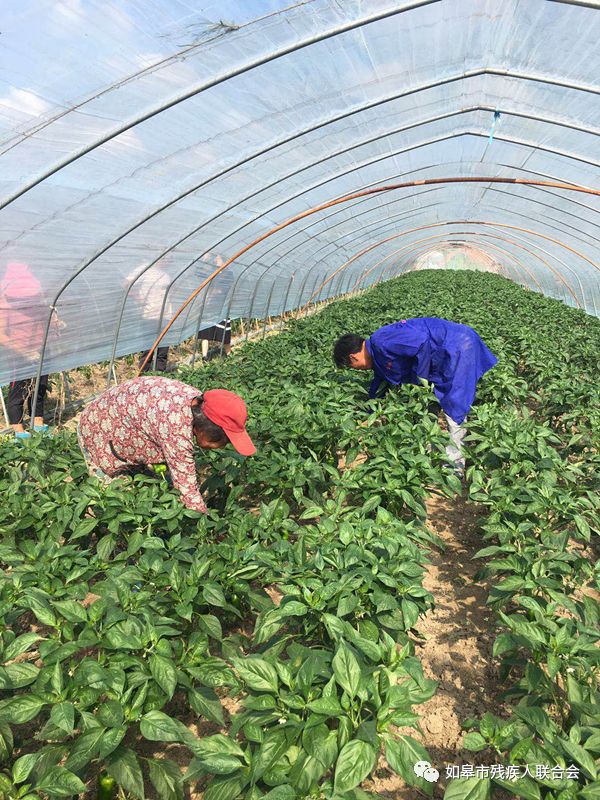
301	292
251	311
285	299
264	330
194	349
347	284
338	286
229	308
363	275
305	308
222	346
197	328
113	354
4	409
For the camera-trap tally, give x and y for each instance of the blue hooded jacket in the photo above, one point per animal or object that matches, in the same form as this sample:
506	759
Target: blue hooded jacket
449	355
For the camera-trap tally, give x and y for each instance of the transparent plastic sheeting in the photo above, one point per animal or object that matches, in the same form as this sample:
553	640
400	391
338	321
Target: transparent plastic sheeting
142	144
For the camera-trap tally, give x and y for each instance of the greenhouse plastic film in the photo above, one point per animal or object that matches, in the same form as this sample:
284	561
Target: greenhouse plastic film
132	169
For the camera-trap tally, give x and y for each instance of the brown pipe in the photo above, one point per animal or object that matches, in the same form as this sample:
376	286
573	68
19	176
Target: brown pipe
344	199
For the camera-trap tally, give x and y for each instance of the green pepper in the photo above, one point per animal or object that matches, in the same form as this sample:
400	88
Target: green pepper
107	787
159	469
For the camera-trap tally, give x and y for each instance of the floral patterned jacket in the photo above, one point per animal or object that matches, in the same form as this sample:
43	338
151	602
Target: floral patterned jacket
145	421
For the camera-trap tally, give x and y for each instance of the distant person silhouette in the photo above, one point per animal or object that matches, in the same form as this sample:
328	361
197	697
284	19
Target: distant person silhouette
23	315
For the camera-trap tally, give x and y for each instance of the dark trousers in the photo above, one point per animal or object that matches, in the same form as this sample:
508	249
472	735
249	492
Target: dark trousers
19	397
162	355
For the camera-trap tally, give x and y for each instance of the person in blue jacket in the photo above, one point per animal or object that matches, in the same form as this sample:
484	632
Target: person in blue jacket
449	355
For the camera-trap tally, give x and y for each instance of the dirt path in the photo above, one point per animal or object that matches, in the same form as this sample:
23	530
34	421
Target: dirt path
457	648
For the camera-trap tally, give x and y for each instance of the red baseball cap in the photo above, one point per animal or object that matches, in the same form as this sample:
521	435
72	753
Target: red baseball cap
229	411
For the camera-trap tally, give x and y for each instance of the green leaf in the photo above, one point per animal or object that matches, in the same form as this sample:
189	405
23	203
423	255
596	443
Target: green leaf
84	749
269	752
156	726
225	787
213	595
402	754
328	751
522	787
520	750
59	782
111	739
582	527
591	791
328	706
258	674
164	673
205	701
217	744
312	512
410	611
6	741
346	605
220	763
23	766
124	767
346	669
535	717
502	644
468	789
71	610
43	612
211	625
306	773
581	756
166	778
63	716
474	741
16	676
371	503
20	645
283	792
110	713
22	709
355	762
291	609
125	635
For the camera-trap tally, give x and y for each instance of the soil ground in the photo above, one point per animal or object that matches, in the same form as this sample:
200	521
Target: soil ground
456	649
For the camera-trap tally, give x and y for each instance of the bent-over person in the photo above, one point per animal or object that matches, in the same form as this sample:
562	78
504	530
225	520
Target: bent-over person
449	355
156	420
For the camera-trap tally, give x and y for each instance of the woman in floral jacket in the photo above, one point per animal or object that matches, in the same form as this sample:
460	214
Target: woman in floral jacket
155	420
